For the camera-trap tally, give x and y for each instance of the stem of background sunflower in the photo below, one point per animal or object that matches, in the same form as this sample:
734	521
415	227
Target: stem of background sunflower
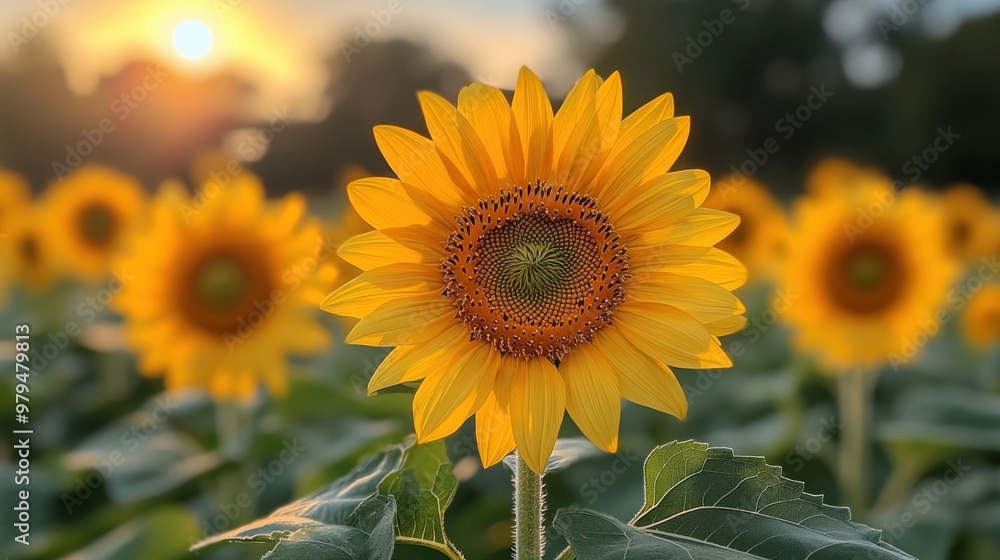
529	503
854	402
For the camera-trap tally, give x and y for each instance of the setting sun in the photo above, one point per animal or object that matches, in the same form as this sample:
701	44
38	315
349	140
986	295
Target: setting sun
192	39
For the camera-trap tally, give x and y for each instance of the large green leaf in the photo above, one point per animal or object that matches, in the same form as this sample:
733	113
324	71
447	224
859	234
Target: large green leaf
401	494
423	488
709	504
346	520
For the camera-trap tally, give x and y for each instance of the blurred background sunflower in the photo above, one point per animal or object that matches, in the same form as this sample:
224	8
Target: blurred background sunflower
215	294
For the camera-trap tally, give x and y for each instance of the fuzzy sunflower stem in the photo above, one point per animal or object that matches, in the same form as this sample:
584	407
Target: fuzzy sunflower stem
854	402
529	502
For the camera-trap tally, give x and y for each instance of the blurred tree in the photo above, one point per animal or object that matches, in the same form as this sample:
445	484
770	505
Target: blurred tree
377	86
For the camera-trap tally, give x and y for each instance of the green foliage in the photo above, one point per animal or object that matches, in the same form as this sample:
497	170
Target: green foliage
707	503
399	494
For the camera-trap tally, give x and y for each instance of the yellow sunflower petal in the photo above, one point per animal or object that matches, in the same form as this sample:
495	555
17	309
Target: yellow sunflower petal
703	227
704	300
390	246
571	112
404	321
415	160
456	140
386	203
488	112
631	166
447	399
641	379
661	201
533	116
493	429
644	118
592	395
669	335
369	290
726	326
413	363
701	262
537	404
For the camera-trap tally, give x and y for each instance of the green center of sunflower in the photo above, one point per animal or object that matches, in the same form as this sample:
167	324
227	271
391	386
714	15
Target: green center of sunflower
535	271
97	224
534	268
221	284
866	278
866	270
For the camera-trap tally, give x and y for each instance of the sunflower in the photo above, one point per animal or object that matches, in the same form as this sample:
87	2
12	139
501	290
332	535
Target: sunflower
868	270
91	212
971	222
30	250
834	174
759	239
15	197
219	291
526	264
981	320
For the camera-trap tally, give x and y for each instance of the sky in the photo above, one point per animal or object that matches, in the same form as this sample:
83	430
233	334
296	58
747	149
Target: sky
281	47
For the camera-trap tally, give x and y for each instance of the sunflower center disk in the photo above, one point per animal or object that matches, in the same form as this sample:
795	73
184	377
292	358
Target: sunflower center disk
866	278
223	289
535	271
97	224
221	284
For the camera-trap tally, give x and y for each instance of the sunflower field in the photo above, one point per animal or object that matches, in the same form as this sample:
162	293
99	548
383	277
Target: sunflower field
574	279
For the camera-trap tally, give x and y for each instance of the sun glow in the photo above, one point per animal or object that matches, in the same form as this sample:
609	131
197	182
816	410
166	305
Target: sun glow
193	39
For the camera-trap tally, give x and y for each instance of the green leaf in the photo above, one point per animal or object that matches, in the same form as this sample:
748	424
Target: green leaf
346	520
709	504
401	494
423	488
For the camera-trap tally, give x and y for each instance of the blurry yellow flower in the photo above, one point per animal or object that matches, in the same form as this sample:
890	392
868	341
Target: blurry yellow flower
92	211
758	241
31	250
972	224
835	174
527	264
216	294
867	271
981	320
15	198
